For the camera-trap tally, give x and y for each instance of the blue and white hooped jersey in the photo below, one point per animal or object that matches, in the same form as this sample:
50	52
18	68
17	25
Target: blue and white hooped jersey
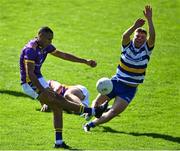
133	63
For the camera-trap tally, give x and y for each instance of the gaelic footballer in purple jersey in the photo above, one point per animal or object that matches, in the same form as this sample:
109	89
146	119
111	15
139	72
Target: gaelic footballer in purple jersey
32	52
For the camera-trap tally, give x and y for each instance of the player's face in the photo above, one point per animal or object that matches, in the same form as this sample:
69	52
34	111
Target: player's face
45	39
139	39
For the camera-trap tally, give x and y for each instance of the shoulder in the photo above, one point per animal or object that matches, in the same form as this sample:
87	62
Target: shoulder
29	53
50	48
32	44
29	50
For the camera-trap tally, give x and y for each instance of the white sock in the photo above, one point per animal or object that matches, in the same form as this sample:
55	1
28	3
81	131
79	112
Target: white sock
93	111
58	142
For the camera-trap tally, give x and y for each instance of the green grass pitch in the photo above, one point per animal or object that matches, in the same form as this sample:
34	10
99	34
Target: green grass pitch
90	29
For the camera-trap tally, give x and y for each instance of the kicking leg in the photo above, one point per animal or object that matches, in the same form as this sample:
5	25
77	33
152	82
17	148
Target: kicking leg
51	98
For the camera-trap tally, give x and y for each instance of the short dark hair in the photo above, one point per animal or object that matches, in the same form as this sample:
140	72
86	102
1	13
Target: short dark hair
141	30
45	29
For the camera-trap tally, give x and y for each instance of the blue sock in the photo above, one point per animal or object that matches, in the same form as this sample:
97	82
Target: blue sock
91	124
58	135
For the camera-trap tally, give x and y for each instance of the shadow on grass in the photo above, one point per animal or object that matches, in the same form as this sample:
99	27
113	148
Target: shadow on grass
71	148
14	93
153	135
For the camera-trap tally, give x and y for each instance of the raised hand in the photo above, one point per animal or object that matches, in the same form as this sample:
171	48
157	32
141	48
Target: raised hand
148	12
139	23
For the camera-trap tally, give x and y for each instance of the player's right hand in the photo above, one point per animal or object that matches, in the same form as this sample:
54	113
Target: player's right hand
139	23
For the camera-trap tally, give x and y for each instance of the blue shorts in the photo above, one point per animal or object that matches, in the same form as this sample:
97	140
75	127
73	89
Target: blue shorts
122	90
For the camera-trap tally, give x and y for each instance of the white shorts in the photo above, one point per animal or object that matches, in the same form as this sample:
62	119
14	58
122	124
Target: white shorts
30	91
85	92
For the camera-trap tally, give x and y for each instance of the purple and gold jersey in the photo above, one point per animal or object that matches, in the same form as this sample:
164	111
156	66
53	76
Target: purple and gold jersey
32	52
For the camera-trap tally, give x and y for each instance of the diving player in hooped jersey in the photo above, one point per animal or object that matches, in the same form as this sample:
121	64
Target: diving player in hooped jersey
130	71
32	57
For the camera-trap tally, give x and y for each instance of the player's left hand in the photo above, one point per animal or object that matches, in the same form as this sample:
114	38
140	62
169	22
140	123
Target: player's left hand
148	12
91	63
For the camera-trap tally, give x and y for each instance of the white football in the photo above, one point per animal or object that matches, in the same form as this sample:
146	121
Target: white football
104	86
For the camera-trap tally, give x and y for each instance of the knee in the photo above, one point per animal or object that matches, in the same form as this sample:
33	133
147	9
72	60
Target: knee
57	110
113	112
66	96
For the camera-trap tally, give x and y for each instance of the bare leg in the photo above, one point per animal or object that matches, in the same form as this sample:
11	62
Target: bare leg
53	99
58	125
58	119
118	107
99	100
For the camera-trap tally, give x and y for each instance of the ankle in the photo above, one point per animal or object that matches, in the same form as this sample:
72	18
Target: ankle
91	124
58	142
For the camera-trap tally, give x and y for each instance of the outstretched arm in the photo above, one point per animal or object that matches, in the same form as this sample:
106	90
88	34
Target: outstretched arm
70	57
126	35
148	14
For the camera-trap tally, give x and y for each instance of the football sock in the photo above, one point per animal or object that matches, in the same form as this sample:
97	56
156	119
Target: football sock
58	134
91	124
82	109
93	111
90	111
